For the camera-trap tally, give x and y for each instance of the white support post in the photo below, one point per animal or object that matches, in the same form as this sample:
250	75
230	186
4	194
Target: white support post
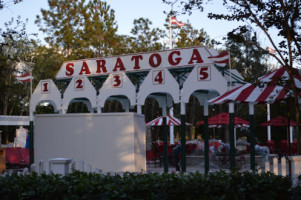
268	119
275	165
283	166
291	134
139	109
267	166
171	128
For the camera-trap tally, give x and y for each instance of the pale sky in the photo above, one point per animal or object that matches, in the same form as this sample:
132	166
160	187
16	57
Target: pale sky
125	13
128	10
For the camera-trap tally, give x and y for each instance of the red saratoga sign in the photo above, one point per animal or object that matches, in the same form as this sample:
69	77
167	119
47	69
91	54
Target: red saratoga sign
136	62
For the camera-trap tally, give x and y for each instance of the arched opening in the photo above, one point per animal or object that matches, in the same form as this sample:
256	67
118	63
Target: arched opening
45	107
117	103
79	105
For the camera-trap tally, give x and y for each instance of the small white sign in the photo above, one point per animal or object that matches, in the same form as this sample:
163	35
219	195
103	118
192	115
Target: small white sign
158	77
204	73
117	80
45	87
79	84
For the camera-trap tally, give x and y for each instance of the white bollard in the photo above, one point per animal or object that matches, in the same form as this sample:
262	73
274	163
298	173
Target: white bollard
89	168
81	165
41	167
283	166
267	166
275	165
33	168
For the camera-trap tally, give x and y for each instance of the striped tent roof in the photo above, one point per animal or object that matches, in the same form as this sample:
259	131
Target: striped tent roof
270	88
170	121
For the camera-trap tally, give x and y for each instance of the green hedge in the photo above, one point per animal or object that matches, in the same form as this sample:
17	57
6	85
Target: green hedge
79	185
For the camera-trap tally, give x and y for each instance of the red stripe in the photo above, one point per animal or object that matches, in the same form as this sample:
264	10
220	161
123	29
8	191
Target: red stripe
281	95
224	53
226	94
244	94
265	93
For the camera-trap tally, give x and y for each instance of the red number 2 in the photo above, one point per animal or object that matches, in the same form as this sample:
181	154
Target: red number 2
79	84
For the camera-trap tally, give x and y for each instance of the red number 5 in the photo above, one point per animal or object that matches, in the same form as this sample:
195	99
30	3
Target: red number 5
204	73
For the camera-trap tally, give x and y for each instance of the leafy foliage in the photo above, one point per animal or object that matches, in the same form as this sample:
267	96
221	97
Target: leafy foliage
78	185
249	60
15	57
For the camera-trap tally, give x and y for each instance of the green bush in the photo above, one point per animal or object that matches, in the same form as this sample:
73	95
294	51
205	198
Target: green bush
79	185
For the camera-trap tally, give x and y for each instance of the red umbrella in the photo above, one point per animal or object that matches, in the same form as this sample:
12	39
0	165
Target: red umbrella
170	121
223	119
278	121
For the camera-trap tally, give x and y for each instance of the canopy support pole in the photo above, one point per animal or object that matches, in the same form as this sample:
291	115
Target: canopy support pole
31	154
231	136
183	139
252	136
165	156
206	138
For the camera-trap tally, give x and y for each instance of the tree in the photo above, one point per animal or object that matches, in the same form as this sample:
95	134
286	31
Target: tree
144	37
249	61
188	36
4	4
15	56
63	24
100	28
282	16
81	29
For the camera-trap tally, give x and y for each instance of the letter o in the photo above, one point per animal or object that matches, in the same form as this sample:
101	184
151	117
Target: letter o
158	58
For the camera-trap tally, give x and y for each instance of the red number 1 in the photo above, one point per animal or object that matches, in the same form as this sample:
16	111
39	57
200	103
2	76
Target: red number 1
45	87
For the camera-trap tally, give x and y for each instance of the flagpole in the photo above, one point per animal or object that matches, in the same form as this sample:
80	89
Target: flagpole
230	68
170	33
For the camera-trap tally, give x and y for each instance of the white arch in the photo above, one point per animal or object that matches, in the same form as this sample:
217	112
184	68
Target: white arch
214	84
149	86
117	84
79	87
46	91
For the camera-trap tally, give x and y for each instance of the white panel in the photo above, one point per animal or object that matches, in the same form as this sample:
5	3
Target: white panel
203	78
46	90
109	141
117	84
158	81
79	87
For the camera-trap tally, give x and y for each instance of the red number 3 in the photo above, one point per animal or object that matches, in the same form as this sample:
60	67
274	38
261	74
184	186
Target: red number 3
117	80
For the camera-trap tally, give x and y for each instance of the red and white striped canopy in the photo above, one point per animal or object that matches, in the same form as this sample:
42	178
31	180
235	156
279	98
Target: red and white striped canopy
170	121
270	88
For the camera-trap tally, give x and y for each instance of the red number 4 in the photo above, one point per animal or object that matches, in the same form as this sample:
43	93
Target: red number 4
158	77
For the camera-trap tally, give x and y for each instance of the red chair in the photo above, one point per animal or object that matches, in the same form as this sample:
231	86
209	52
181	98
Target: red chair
190	148
284	147
152	158
294	149
272	146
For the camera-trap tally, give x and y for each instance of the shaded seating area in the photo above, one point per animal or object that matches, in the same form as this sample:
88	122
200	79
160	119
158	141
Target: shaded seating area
285	148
